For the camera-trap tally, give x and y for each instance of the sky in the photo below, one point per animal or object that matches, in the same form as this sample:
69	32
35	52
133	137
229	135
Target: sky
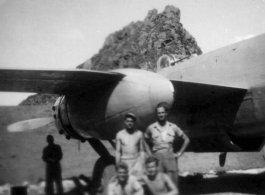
62	34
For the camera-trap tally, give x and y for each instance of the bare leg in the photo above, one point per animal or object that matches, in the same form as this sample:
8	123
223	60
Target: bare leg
174	177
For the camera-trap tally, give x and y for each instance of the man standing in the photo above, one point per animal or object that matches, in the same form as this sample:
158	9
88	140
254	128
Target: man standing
161	136
52	154
129	146
124	184
157	183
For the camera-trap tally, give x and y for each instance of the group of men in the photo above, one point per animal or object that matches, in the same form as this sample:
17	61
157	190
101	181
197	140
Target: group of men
146	163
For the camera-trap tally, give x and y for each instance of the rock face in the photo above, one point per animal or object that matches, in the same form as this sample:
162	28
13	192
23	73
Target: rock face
140	44
40	99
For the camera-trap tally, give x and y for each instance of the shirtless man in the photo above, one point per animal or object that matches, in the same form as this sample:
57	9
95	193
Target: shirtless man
124	184
129	146
157	183
161	136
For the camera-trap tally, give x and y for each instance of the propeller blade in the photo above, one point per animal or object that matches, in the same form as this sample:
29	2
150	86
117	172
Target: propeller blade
30	124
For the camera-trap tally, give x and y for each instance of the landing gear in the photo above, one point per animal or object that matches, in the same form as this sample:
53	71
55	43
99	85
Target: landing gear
104	168
222	158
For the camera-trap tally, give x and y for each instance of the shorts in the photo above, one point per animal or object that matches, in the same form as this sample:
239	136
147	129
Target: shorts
167	161
135	166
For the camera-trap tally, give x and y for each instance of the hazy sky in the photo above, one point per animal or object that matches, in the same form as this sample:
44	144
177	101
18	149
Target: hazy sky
64	33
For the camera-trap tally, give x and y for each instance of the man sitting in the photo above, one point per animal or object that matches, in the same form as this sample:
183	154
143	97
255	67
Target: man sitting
123	183
157	183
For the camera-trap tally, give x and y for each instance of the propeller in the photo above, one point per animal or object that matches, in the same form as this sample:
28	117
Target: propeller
30	124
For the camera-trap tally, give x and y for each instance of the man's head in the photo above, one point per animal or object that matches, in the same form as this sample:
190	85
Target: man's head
49	139
129	121
151	164
162	111
122	172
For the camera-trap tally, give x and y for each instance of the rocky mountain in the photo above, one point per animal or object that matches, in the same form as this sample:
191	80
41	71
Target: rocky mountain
138	45
40	99
141	43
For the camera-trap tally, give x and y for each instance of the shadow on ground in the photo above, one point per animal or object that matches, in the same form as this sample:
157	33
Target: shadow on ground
197	184
223	183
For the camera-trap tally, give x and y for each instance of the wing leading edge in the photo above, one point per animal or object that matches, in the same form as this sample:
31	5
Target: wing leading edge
67	82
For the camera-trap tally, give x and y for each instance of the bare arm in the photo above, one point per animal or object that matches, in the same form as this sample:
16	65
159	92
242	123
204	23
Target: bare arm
184	145
141	147
146	142
110	190
147	148
138	190
171	186
118	149
144	148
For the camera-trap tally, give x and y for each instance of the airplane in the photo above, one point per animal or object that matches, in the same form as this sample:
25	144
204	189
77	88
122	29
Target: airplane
217	98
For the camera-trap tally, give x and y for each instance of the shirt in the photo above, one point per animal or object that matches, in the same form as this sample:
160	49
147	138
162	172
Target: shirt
162	138
52	151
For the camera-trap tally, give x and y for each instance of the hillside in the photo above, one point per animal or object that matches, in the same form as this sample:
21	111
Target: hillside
138	45
141	43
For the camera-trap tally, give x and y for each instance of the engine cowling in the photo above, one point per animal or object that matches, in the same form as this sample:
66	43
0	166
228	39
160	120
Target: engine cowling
99	113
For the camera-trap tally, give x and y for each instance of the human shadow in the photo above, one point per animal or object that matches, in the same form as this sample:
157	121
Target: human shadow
226	182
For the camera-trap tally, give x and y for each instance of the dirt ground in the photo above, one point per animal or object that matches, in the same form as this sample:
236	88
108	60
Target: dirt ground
20	159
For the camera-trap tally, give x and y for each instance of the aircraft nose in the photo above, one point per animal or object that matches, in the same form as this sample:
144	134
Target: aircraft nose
161	90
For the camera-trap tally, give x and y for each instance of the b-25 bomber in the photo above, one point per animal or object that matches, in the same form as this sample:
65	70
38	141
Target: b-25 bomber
217	98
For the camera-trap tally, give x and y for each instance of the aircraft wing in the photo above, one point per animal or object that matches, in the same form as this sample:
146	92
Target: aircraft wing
68	82
208	113
197	94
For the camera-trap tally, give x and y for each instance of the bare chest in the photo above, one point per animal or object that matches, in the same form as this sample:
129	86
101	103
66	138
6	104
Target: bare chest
127	139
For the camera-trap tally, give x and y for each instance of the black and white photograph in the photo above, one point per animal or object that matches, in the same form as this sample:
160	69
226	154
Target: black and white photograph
132	97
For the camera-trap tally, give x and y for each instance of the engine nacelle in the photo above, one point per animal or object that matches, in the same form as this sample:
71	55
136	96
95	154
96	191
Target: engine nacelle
99	113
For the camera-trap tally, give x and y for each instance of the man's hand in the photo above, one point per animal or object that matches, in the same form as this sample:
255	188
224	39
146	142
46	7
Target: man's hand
177	155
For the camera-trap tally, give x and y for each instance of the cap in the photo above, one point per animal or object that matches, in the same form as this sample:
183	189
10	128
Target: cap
131	115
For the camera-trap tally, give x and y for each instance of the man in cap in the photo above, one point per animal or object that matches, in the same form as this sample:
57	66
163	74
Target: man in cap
161	136
124	184
52	155
130	146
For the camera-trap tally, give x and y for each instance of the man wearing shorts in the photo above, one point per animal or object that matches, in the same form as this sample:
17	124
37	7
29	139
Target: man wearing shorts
160	136
129	147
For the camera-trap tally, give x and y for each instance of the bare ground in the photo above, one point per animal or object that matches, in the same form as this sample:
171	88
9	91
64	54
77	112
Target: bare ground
20	159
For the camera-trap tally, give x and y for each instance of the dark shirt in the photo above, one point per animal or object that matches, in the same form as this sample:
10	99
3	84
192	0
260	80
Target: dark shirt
52	153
